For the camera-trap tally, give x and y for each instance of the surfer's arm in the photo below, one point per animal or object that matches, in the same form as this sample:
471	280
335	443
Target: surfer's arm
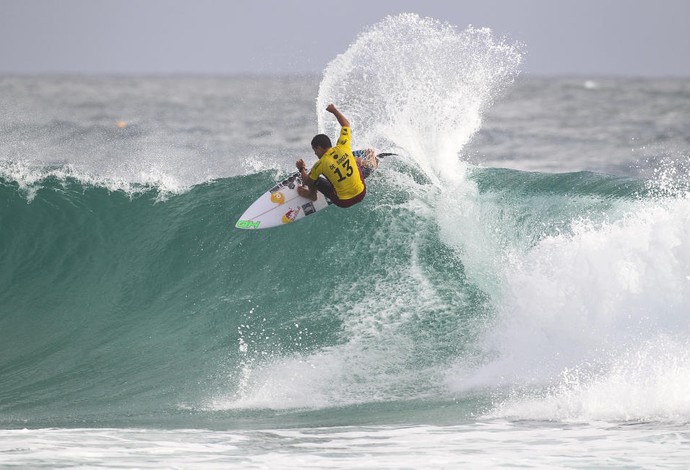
310	190
306	179
342	120
302	168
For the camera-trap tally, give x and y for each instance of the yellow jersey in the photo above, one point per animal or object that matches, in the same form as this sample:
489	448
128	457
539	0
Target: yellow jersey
340	167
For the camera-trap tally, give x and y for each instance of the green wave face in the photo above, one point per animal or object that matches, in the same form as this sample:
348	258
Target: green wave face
123	306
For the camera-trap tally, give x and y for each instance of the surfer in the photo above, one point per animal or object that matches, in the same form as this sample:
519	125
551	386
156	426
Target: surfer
338	174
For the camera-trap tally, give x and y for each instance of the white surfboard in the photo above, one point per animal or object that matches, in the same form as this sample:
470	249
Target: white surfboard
282	205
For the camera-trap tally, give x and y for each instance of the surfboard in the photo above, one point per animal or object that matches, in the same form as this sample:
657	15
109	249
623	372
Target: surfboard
282	205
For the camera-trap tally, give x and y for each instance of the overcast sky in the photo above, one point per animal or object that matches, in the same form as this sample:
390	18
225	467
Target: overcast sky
562	37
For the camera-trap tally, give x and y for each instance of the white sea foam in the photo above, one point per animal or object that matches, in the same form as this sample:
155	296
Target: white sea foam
30	178
495	444
598	319
373	363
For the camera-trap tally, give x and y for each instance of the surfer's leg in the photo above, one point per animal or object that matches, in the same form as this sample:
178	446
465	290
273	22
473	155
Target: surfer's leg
364	169
325	186
370	156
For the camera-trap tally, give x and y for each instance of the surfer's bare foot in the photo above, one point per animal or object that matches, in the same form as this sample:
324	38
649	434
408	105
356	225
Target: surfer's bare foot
370	155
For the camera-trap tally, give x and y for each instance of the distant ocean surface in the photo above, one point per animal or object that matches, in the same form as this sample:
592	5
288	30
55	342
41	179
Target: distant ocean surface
513	291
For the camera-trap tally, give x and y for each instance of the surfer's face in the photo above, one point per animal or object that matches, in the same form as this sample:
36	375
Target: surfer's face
319	151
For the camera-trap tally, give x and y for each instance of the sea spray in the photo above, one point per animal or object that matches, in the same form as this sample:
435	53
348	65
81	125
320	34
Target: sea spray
647	381
418	86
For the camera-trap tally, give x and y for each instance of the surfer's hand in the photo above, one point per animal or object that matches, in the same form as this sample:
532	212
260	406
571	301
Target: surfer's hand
301	165
342	120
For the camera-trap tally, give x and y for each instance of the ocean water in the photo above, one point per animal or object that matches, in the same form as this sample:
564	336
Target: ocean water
513	292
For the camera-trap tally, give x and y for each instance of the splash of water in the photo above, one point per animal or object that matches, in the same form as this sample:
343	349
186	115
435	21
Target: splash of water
419	86
592	324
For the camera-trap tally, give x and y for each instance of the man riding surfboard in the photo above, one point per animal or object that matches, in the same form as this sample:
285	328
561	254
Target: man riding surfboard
338	174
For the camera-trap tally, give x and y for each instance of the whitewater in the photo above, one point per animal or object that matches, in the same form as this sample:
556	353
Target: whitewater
513	291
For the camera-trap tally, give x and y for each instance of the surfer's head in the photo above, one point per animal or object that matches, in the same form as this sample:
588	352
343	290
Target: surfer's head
320	143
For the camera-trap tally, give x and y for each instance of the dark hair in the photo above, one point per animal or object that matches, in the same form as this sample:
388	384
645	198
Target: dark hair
321	140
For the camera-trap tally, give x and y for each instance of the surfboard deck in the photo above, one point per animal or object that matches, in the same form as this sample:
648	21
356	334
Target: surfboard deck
282	205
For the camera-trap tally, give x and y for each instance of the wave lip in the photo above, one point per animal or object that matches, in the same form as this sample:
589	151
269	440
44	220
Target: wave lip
31	178
424	101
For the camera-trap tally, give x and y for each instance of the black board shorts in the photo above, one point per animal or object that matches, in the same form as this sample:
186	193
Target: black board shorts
326	187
